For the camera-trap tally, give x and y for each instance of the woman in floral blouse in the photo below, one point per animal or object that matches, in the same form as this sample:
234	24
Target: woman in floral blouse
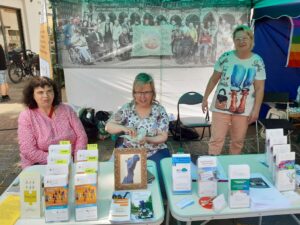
143	119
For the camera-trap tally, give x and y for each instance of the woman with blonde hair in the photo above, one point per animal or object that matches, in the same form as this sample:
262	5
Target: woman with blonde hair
240	77
143	119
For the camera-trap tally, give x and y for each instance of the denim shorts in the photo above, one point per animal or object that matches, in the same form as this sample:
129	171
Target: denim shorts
3	74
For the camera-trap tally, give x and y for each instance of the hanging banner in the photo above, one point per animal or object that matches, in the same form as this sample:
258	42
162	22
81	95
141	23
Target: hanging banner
293	59
45	54
91	35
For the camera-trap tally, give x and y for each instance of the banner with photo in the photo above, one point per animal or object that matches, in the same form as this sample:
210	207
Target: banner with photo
116	37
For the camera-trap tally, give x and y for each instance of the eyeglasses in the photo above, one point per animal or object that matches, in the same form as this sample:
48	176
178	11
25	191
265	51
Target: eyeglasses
242	39
145	93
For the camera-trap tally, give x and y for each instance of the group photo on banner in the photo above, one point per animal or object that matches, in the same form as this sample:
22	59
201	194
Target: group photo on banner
153	36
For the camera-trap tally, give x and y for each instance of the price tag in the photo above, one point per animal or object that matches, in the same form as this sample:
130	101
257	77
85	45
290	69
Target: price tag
89	170
64	152
92	158
61	161
64	142
92	147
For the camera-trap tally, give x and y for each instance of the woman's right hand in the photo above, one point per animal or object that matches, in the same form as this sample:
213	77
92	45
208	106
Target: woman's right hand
130	131
204	105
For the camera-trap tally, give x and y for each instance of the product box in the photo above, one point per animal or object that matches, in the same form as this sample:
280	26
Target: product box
181	173
65	149
239	186
56	194
86	167
30	194
285	172
60	159
57	169
87	155
86	197
207	176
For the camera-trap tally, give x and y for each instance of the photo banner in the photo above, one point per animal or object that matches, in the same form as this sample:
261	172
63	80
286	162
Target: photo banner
152	40
90	35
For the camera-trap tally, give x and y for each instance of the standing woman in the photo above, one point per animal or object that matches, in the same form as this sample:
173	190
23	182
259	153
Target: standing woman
3	76
46	121
142	114
240	78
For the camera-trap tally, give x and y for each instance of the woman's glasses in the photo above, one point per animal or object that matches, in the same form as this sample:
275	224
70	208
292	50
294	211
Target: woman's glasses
143	93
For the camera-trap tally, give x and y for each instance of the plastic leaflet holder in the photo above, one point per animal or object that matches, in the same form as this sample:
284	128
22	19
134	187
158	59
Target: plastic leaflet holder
56	198
86	197
285	175
181	173
207	176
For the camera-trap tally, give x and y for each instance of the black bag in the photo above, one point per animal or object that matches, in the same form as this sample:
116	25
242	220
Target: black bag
87	118
186	133
101	119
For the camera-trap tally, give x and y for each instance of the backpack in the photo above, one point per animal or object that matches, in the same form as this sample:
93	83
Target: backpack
186	133
87	118
101	119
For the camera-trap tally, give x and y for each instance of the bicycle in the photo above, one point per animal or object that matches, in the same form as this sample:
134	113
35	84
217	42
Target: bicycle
21	66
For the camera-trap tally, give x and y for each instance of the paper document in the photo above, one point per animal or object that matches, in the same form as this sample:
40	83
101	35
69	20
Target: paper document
10	210
267	198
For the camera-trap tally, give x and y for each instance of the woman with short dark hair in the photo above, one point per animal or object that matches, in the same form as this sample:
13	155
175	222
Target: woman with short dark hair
46	121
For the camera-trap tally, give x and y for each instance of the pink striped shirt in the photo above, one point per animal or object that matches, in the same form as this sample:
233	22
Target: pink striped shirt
36	131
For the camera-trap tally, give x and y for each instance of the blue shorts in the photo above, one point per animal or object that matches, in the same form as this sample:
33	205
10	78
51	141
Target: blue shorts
3	74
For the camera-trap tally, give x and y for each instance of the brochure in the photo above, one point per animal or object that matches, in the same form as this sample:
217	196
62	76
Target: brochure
141	205
120	206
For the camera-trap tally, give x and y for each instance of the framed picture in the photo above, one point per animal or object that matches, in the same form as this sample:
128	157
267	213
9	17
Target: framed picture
130	168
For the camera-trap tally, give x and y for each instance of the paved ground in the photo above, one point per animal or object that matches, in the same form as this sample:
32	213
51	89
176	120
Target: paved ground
9	153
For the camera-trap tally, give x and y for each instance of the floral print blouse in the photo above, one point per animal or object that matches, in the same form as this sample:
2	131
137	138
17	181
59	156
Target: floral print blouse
157	121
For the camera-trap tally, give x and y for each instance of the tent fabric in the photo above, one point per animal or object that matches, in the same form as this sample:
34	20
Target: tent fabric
272	44
291	9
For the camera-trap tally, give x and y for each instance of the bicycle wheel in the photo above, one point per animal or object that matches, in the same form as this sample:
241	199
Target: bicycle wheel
15	73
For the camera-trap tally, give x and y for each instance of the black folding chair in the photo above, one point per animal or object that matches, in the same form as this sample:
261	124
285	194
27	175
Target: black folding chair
191	98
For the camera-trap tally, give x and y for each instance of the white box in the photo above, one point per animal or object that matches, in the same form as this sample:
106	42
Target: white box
181	173
56	194
58	159
239	186
207	176
86	197
57	169
285	177
30	194
87	155
65	149
275	141
86	167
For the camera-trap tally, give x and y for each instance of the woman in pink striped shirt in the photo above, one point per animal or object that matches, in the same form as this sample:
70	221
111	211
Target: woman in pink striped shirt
46	121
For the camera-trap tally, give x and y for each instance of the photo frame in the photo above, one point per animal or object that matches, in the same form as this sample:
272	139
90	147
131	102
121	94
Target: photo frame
130	168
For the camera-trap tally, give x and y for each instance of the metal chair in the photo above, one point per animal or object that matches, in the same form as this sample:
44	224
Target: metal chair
279	101
191	98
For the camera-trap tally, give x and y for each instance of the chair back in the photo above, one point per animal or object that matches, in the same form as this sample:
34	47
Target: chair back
190	98
276	97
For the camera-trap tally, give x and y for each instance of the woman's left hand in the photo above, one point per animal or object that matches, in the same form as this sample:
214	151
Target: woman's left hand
252	117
